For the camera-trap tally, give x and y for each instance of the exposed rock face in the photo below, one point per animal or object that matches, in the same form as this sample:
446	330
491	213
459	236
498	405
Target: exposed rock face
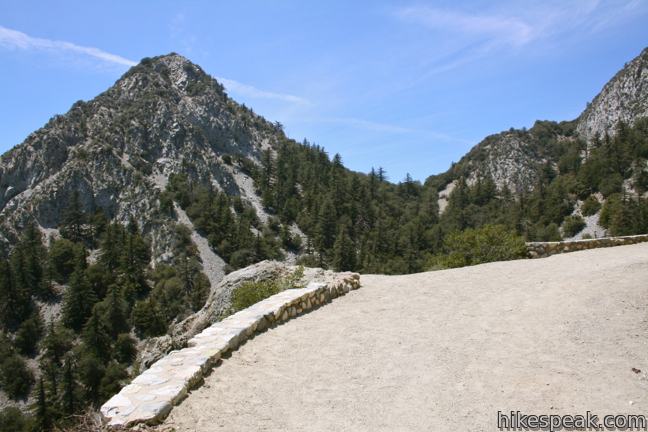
624	98
163	116
513	158
508	159
219	301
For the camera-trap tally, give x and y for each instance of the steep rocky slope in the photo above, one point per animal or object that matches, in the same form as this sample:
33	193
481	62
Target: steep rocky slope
513	158
166	116
163	116
624	98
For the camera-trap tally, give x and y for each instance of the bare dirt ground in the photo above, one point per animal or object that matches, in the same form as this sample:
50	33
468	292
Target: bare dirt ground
445	351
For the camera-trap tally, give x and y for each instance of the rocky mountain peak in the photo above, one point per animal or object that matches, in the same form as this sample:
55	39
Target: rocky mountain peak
514	158
163	116
171	72
624	98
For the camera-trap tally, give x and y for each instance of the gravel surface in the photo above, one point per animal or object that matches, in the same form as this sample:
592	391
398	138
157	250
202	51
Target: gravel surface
445	350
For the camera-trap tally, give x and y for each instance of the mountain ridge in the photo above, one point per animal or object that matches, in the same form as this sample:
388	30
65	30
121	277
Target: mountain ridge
160	115
111	214
511	157
119	149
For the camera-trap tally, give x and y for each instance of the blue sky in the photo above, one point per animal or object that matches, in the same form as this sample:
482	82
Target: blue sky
407	85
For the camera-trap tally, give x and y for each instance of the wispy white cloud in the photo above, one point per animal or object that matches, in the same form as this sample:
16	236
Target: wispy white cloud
15	39
514	25
505	29
255	93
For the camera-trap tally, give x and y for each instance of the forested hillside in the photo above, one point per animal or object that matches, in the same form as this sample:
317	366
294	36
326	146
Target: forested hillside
573	180
77	308
94	261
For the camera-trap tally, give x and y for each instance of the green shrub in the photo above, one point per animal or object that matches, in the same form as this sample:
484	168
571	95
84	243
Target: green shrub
590	206
15	377
28	335
12	419
62	255
114	378
611	184
480	245
125	348
573	225
612	206
544	233
251	292
148	319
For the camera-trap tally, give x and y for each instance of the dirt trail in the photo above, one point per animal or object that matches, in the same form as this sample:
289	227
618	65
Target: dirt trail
445	351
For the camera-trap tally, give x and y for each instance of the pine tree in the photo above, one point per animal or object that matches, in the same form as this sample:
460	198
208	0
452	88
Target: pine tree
69	387
623	220
91	372
125	348
43	415
113	309
16	378
344	254
98	225
29	334
79	299
15	298
408	187
33	255
73	220
337	162
326	224
136	255
266	179
6	294
114	378
62	259
95	335
56	343
148	319
134	261
111	247
51	372
458	202
382	175
373	184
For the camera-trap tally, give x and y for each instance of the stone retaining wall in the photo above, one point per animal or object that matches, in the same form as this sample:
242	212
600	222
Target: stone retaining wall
544	249
150	397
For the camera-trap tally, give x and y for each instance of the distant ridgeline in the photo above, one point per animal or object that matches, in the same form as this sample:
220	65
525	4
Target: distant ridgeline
94	263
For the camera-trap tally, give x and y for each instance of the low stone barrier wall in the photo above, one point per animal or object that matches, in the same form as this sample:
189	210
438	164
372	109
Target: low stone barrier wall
150	397
544	249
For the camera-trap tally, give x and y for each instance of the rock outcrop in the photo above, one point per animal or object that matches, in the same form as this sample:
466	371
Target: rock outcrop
623	99
513	158
219	302
118	150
